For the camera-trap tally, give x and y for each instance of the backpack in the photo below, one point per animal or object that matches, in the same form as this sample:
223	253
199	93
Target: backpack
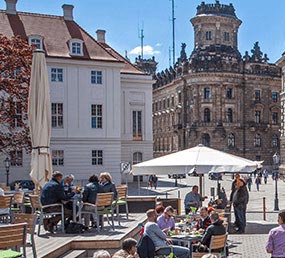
145	247
75	228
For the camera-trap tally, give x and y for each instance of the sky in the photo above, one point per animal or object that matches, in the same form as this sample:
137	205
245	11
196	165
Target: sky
262	21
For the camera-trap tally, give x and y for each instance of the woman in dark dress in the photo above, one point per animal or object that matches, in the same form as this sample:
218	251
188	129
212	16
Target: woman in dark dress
107	184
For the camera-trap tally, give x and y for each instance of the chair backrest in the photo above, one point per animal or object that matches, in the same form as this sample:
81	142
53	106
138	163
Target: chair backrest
5	201
35	201
218	242
6	188
122	192
104	199
13	235
145	247
30	219
18	197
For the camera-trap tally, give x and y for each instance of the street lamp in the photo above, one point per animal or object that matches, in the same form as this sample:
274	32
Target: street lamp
276	167
7	163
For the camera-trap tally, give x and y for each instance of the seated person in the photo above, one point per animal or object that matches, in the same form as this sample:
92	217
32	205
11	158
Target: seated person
129	249
193	199
69	190
216	228
166	221
204	221
52	193
159	209
107	184
101	254
159	238
90	195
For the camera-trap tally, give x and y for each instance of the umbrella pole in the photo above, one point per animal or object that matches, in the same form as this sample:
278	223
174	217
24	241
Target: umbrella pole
200	184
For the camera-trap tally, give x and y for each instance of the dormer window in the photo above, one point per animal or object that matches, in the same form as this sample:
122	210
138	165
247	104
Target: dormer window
36	41
76	47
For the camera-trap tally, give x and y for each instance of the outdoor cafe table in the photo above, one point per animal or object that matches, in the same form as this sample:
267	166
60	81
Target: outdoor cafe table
187	238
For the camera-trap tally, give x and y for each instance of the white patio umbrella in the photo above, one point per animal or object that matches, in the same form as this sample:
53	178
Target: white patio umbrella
202	159
39	120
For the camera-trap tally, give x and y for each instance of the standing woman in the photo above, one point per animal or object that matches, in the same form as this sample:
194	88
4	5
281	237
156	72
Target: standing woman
107	184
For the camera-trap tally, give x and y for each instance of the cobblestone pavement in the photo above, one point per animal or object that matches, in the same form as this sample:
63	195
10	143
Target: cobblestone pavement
248	245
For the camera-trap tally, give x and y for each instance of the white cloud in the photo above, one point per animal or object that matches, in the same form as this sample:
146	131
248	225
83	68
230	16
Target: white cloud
158	44
147	50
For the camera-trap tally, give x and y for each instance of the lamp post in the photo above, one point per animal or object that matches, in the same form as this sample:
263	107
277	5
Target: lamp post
7	163
276	167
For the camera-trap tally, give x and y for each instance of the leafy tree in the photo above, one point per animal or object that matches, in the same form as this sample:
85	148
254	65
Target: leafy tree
15	72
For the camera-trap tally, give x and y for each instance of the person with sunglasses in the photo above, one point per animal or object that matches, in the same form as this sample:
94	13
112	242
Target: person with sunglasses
166	221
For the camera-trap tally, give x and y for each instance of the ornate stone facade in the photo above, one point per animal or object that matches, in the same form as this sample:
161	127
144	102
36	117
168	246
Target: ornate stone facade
216	96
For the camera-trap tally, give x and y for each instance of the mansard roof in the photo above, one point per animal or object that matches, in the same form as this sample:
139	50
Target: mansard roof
56	33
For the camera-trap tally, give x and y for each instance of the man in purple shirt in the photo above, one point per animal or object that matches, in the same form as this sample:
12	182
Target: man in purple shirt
166	221
276	239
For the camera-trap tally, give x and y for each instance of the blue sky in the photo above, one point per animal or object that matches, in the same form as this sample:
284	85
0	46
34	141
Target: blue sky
263	21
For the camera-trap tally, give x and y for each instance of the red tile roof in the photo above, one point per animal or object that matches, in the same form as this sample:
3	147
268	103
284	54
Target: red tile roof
56	33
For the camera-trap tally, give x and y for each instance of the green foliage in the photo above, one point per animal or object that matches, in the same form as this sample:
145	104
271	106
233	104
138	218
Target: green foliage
15	72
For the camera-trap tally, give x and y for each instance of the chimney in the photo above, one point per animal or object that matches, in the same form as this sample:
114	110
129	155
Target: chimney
101	36
68	12
11	6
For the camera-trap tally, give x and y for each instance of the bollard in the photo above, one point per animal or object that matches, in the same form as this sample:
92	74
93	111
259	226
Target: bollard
166	195
264	209
178	194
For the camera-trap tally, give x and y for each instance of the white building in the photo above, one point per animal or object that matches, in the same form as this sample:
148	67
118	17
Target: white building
101	103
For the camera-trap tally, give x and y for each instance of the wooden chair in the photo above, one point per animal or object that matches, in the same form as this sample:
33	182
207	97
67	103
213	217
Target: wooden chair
17	204
6	188
35	203
13	236
122	200
5	204
217	242
31	220
103	206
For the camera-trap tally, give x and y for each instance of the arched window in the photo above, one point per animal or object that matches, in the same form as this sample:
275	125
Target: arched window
257	140
207	115
231	140
275	118
257	117
229	115
206	140
275	141
137	157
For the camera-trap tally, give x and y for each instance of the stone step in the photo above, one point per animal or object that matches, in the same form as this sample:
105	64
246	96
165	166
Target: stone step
75	254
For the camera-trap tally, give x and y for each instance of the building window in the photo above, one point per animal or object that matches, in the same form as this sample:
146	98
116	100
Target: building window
137	157
207	93
164	103
231	140
58	158
172	101
76	47
207	115
18	118
257	95
179	97
258	158
97	157
275	141
96	116
229	115
257	117
160	105
56	74
229	93
57	115
206	140
137	125
226	36
36	41
96	77
16	158
168	102
274	96
257	140
208	35
274	118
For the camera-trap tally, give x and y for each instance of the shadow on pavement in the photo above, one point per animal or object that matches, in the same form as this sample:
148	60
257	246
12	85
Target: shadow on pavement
258	228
